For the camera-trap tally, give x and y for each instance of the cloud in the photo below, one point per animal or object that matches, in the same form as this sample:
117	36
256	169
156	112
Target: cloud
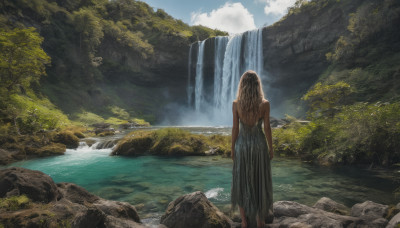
231	17
277	7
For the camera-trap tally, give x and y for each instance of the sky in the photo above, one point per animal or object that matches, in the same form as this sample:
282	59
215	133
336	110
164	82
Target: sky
230	16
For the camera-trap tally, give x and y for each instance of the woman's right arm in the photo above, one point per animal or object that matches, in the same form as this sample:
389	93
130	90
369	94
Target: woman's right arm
235	128
267	130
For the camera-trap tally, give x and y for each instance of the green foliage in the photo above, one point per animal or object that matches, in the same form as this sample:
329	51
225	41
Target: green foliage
359	133
88	118
22	60
90	30
324	98
288	140
119	112
35	114
127	38
15	203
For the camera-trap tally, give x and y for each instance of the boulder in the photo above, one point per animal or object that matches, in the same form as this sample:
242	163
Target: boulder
91	217
61	205
329	205
34	184
67	138
76	194
288	212
369	210
394	222
194	210
118	209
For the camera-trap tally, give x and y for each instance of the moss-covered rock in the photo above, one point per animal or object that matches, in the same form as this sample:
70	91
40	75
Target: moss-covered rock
67	138
171	142
79	134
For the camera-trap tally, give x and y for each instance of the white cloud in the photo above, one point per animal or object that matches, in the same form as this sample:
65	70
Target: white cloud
278	7
231	17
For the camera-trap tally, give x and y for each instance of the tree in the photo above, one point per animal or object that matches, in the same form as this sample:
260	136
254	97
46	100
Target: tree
90	30
22	60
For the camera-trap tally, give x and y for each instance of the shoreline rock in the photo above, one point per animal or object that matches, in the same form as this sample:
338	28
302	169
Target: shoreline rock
61	205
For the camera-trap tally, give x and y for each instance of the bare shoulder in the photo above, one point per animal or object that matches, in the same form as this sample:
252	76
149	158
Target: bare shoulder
234	104
265	103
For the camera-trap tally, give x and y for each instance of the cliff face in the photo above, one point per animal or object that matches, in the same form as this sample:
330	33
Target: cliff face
295	47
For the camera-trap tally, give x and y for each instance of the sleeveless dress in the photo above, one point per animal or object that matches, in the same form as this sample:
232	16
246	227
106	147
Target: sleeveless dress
251	174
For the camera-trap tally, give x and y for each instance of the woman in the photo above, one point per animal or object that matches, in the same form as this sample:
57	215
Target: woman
251	155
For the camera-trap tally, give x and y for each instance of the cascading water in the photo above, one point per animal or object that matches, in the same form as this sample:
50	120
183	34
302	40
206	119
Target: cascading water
198	96
228	57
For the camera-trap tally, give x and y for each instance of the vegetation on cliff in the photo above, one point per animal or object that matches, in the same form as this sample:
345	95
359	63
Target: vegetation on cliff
354	106
99	47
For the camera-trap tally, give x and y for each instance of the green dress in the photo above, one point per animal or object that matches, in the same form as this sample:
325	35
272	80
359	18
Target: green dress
251	174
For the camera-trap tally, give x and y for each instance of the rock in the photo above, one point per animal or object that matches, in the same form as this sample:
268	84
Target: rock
67	138
194	210
274	122
394	222
61	205
5	157
34	184
107	144
329	205
112	221
101	125
288	212
92	217
369	210
76	194
118	209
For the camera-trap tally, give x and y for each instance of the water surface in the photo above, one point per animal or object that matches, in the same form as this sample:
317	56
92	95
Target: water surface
151	182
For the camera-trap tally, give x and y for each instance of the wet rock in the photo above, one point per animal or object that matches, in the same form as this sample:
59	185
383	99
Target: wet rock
34	184
194	210
329	205
107	144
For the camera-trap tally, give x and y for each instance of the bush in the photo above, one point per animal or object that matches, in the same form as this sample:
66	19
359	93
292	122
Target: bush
359	133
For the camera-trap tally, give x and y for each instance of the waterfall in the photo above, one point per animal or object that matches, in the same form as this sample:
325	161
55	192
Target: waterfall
228	57
198	96
220	47
190	87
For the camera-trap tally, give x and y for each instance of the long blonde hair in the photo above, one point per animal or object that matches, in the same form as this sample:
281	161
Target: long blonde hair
249	96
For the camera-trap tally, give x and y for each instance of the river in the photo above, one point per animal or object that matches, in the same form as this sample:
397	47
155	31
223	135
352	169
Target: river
151	182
